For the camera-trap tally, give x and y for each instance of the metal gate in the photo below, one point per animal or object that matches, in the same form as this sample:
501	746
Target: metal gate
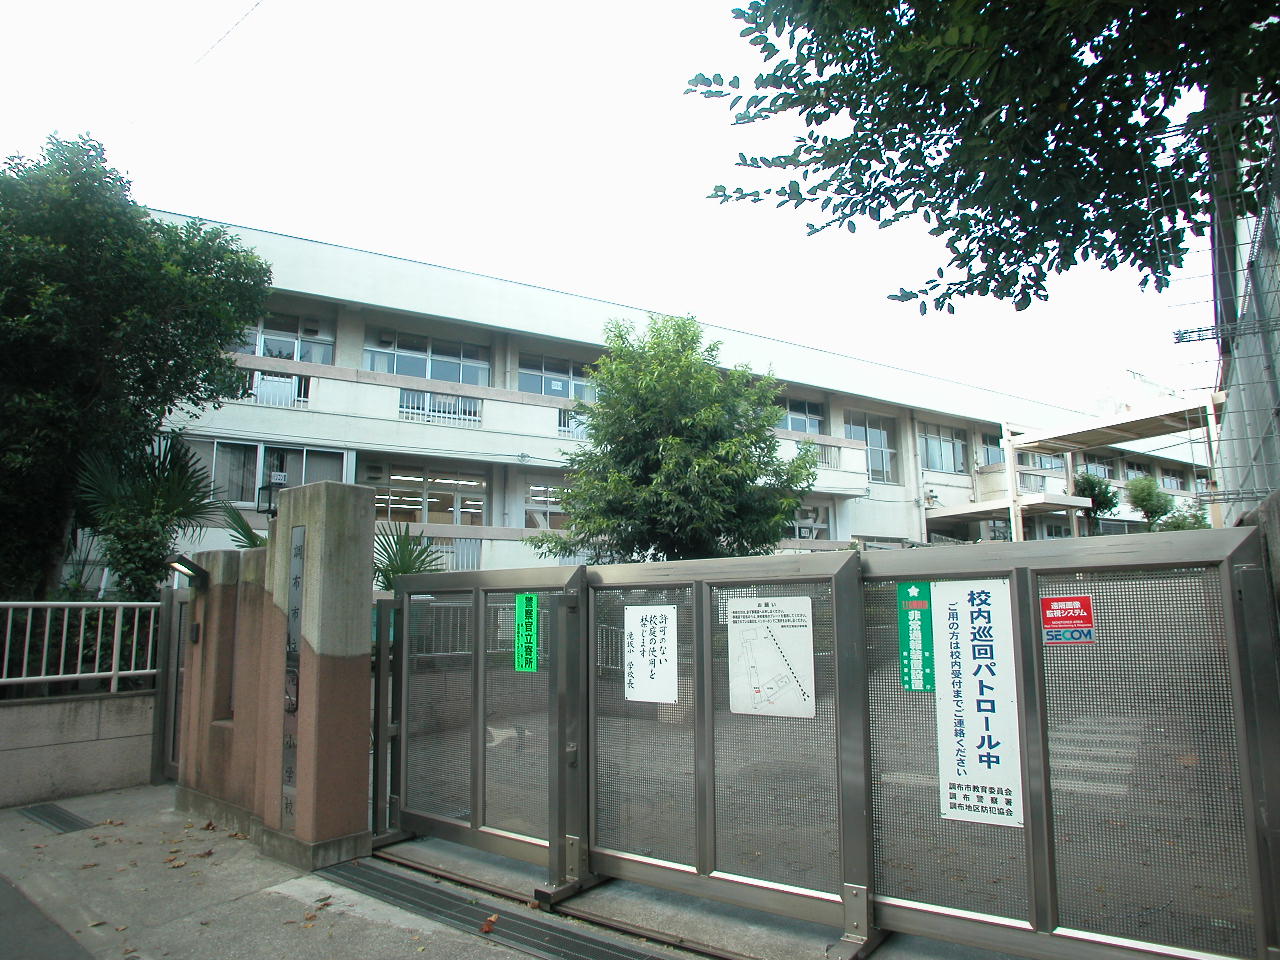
769	732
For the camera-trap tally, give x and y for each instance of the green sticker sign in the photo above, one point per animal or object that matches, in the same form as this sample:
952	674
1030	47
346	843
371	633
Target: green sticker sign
527	632
915	635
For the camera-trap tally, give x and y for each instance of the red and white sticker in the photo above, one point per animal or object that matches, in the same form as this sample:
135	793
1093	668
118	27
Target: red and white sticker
1067	619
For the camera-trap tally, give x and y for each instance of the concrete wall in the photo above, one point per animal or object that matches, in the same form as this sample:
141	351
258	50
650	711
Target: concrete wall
66	746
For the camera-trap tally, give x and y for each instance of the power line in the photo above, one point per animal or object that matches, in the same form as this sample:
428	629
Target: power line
229	31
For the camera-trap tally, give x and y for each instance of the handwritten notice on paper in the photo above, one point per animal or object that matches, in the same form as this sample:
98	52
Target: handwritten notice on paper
771	656
651	653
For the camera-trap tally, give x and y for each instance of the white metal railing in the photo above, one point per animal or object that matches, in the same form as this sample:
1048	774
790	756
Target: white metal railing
570	426
280	390
828	456
427	407
51	642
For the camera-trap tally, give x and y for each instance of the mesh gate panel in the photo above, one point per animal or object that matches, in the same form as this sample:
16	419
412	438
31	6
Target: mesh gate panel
438	655
1148	815
918	855
515	712
644	752
777	803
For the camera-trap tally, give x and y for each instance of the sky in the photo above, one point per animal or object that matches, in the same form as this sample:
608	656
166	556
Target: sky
550	144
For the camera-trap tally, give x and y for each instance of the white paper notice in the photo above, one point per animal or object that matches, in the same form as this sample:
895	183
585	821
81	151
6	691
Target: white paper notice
651	654
771	656
979	755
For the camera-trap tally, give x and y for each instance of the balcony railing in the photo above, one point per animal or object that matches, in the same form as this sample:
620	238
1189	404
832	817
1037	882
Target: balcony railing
280	390
828	456
50	643
426	407
570	426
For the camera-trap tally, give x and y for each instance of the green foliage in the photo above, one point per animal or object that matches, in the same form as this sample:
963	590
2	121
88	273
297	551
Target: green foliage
1026	134
108	321
397	552
1189	516
239	529
138	504
681	460
1104	496
1145	496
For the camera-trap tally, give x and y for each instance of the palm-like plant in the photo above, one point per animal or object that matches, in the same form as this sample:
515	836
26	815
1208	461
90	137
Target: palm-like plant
239	529
397	552
139	503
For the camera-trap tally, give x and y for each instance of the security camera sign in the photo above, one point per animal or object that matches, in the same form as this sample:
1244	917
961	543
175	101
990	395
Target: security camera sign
1067	619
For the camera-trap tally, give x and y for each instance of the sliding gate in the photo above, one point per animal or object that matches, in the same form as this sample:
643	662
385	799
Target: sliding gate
1060	748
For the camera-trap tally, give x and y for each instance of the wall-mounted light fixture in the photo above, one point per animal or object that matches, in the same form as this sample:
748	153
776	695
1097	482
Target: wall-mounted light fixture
267	494
197	574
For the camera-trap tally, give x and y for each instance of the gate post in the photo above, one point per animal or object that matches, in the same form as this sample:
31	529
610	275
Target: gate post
315	721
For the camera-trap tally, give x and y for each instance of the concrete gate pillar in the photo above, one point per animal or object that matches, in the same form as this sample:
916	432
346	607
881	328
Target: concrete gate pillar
286	640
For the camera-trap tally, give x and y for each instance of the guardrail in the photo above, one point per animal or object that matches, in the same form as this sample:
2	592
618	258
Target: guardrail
51	642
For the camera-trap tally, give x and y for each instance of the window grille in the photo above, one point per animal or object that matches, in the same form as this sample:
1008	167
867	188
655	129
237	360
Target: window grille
426	407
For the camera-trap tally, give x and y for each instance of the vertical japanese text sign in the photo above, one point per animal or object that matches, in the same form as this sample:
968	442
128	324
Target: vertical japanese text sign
915	636
650	653
526	633
979	753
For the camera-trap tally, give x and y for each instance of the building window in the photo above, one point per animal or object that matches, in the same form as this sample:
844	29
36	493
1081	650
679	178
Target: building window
880	434
555	377
1132	471
1099	466
943	448
411	355
543	508
424	406
802	416
286	336
237	472
1056	531
416	493
811	522
992	449
279	390
568	425
1173	479
1039	461
1202	482
300	465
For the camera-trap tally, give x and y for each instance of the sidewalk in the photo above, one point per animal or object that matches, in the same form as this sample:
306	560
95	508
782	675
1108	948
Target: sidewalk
146	883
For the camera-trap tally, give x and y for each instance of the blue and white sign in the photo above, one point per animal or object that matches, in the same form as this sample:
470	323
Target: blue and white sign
979	753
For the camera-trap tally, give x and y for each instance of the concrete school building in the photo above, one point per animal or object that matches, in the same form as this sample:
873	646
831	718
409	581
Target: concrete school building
450	394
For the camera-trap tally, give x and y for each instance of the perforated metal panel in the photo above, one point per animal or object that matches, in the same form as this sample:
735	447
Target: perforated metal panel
1148	815
515	712
437	727
776	778
918	855
643	758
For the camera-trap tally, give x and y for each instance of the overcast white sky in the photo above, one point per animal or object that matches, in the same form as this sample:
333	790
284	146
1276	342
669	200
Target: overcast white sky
546	143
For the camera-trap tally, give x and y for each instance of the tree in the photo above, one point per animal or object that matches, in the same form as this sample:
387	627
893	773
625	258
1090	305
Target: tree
397	552
1145	496
137	506
681	460
109	320
1190	516
1032	136
1103	496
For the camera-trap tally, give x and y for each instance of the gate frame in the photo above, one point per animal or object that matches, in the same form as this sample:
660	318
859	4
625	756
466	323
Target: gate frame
1250	631
564	580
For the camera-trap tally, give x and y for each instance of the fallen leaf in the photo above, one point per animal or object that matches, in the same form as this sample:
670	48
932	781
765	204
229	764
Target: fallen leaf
204	923
308	916
290	921
188	826
175	850
170	859
38	846
238	836
122	929
177	864
210	826
97	923
308	924
325	899
113	823
207	853
86	866
487	926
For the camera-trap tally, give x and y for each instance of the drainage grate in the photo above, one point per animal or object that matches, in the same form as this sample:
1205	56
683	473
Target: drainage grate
518	926
55	817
